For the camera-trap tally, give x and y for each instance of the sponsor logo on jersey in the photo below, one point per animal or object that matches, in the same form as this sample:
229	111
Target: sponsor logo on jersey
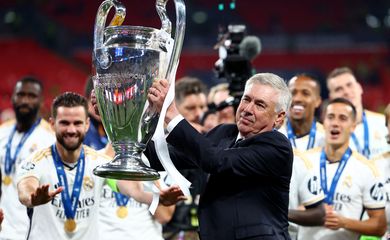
314	185
376	192
28	166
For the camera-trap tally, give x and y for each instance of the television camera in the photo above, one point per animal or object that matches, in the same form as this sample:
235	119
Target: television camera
236	51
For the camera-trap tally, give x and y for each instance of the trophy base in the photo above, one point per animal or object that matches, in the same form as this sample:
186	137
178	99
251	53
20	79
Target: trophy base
127	169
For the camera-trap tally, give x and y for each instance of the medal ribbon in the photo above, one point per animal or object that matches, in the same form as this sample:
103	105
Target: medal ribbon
70	202
121	200
366	150
343	162
312	136
10	160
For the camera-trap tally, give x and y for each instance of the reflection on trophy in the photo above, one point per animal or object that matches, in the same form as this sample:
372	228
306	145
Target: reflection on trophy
126	61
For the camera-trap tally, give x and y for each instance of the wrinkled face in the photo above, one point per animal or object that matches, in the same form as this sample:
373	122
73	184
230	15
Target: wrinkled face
70	126
193	106
305	98
26	100
257	110
338	124
345	86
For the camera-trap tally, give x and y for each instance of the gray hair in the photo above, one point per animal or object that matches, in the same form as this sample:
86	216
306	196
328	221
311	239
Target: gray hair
276	83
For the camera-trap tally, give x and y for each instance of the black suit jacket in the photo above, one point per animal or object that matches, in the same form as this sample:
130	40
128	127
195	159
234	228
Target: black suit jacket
247	193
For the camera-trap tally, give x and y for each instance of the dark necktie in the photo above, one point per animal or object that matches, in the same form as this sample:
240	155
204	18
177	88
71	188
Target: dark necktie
236	143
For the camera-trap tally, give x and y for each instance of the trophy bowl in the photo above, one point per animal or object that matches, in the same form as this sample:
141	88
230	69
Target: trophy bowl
126	61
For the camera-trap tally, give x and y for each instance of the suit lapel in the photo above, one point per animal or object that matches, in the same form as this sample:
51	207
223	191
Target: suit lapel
232	143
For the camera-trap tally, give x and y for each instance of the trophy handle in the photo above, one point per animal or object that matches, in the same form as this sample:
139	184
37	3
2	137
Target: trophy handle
166	24
117	20
179	32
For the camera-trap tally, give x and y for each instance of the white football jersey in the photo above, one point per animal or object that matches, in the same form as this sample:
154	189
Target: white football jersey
301	143
359	187
377	134
382	162
48	219
15	224
305	187
138	224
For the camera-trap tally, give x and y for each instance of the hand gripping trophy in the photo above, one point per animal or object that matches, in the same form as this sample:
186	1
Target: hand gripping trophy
126	61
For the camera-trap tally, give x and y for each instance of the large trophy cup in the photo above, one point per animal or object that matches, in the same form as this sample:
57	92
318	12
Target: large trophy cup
126	61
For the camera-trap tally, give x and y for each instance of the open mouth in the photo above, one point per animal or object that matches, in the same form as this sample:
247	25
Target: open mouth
297	108
334	133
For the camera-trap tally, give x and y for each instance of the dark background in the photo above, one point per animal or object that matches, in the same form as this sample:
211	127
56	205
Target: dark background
53	40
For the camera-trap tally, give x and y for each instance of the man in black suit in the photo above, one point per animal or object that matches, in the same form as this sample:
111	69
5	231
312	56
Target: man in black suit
247	193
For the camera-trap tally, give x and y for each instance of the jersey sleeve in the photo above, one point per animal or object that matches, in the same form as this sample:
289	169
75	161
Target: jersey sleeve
33	166
307	182
373	190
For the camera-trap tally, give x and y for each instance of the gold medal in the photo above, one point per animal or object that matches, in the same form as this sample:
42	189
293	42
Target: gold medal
70	225
7	180
122	212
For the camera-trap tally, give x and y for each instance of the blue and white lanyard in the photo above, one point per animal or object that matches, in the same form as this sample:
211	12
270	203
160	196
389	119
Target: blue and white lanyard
70	202
121	200
343	162
312	136
10	160
366	150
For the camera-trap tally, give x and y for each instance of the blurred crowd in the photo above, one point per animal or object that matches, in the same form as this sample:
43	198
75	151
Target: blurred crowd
330	198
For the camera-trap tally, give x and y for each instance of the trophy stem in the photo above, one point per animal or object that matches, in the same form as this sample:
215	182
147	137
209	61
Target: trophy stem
127	165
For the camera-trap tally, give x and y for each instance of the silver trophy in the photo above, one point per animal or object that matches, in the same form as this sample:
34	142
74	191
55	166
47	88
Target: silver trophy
126	61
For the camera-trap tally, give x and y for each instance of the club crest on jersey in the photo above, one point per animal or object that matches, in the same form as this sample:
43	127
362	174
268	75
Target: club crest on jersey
88	183
347	181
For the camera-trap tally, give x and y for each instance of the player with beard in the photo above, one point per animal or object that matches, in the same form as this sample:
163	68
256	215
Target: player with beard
58	182
18	139
301	127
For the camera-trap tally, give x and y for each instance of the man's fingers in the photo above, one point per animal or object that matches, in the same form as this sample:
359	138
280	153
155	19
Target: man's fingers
174	188
182	198
42	190
45	187
163	82
160	85
56	191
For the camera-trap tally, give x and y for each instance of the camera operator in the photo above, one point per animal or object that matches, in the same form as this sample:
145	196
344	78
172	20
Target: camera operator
236	51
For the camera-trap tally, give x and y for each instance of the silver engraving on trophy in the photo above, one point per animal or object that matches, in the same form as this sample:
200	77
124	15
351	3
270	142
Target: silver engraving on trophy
126	61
